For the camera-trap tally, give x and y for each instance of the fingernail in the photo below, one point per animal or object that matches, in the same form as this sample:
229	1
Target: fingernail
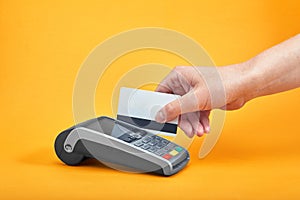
199	134
207	129
160	117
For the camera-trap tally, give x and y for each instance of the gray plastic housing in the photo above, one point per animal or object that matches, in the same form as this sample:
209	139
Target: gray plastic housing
79	142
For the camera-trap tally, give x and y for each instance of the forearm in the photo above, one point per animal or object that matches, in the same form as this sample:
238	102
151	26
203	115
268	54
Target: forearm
274	70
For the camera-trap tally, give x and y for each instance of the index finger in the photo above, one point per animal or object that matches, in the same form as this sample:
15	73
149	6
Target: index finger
164	86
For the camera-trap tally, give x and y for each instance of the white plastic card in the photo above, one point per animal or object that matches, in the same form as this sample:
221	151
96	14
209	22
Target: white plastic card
139	107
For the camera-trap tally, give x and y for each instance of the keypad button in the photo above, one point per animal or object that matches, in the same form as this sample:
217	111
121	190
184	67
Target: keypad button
138	136
146	146
132	137
160	153
158	138
173	152
165	142
166	148
152	149
179	149
135	135
167	156
160	145
139	144
153	142
171	145
146	139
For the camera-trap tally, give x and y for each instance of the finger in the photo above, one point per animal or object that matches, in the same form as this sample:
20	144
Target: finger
163	88
186	103
186	127
198	129
164	84
194	119
204	120
175	82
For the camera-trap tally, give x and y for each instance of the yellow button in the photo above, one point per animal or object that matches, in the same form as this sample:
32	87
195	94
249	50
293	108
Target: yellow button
173	152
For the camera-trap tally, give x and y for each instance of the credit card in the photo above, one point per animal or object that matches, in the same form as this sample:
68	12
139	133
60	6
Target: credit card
139	108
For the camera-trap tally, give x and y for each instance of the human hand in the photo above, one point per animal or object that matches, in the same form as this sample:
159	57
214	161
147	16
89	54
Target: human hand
205	88
201	89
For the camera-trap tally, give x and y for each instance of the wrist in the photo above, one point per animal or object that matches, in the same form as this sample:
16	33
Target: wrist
239	82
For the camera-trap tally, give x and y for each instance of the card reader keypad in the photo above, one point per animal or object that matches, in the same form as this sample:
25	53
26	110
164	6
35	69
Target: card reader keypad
153	144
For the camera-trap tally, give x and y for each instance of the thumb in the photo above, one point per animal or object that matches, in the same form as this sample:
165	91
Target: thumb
186	103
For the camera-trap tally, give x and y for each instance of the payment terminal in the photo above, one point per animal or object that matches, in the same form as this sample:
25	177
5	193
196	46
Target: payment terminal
122	145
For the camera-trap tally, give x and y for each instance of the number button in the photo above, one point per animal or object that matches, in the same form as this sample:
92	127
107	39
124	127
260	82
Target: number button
152	149
146	146
160	153
153	143
146	139
160	145
138	144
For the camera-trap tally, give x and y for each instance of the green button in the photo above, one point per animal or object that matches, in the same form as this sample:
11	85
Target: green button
178	149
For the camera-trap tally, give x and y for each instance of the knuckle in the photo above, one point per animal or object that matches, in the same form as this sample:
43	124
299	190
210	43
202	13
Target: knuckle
169	108
178	68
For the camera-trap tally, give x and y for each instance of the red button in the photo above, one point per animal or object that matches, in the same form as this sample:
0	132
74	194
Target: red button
167	156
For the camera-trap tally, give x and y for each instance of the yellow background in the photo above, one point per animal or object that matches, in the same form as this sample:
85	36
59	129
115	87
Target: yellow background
43	44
